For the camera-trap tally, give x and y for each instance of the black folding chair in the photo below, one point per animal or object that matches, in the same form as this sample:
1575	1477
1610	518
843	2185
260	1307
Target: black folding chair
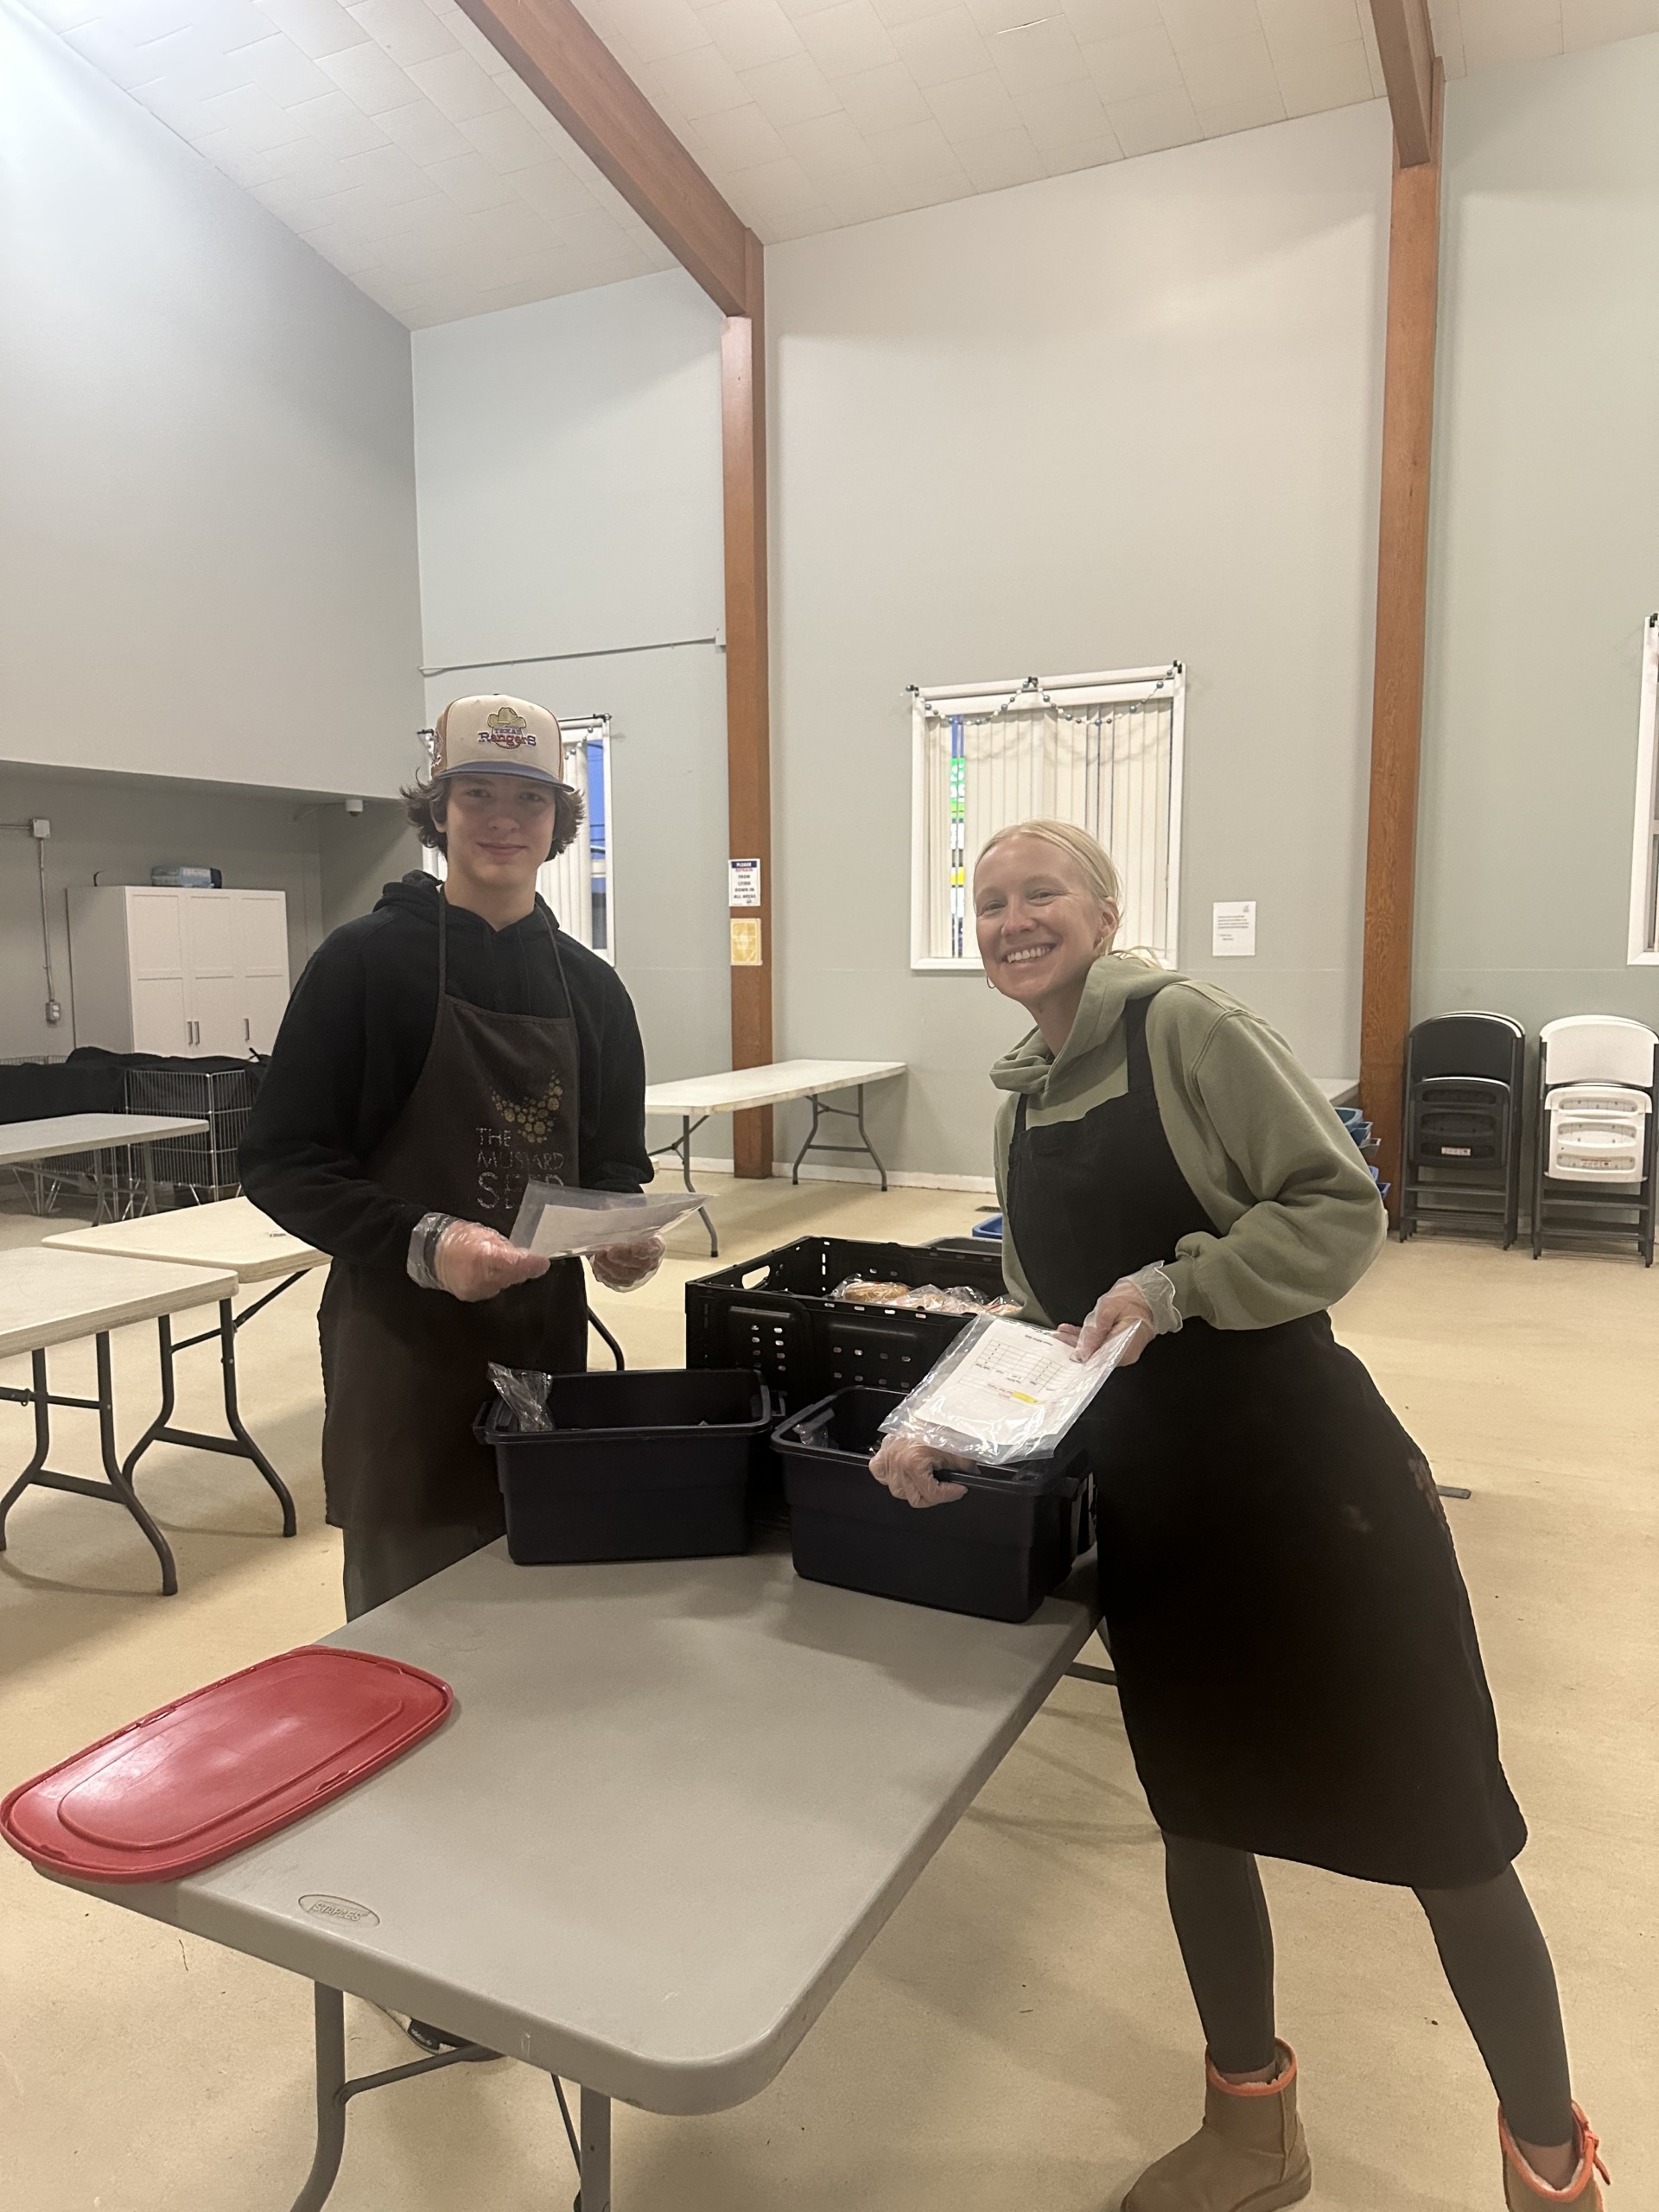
1463	1124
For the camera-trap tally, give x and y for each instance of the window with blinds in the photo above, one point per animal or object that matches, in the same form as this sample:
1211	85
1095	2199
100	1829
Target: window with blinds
1644	865
1103	751
577	885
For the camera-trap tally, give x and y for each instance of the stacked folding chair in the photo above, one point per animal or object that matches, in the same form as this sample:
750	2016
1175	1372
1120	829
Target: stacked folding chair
1593	1166
1464	1099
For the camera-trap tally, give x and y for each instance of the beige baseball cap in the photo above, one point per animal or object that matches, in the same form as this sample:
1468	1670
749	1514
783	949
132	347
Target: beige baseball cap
500	737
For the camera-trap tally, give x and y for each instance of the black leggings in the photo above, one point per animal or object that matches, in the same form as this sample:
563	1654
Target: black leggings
1490	1943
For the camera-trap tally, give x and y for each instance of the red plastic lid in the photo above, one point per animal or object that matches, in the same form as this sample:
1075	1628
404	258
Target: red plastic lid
223	1767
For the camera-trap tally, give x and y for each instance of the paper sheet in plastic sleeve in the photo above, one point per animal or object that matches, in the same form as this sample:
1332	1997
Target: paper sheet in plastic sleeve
559	1223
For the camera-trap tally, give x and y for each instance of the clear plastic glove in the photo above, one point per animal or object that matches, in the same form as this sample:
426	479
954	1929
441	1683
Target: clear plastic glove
1123	1306
472	1262
905	1466
624	1267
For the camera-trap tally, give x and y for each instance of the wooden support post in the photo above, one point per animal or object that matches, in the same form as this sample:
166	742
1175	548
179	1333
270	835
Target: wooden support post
748	753
1402	602
585	88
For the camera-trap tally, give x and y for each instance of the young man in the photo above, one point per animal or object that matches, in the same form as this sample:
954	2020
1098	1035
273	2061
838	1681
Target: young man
437	1055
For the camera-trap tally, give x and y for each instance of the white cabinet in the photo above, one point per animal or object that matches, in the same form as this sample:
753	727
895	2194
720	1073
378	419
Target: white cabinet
160	970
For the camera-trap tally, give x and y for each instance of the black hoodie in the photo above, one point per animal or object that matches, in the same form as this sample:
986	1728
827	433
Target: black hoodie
354	1039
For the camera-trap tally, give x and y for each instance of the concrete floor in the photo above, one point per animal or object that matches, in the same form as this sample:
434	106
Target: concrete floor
1020	2034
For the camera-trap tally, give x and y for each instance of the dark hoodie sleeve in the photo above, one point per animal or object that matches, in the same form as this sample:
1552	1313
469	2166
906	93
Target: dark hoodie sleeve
618	1160
299	1159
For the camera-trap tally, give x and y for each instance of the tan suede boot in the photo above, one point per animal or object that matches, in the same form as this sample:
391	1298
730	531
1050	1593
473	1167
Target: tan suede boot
1249	2156
1522	2190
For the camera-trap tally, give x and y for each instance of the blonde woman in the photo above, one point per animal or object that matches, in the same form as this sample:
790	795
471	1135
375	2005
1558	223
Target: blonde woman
1296	1658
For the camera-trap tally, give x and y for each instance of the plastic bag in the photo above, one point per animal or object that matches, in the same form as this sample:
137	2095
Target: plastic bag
1004	1392
925	1298
524	1393
557	1222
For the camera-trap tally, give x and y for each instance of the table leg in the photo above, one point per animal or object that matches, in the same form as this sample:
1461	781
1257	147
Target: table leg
595	2193
43	1405
330	2009
238	1445
149	1152
815	1143
684	1148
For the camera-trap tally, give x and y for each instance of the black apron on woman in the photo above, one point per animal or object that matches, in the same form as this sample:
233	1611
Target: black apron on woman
403	1369
1297	1663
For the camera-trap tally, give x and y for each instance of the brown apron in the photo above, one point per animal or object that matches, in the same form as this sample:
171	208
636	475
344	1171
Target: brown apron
403	1369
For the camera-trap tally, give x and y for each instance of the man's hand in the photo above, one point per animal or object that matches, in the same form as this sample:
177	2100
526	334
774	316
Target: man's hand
1123	1306
473	1262
624	1267
905	1465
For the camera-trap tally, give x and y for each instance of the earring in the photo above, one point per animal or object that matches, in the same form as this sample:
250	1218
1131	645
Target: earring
990	984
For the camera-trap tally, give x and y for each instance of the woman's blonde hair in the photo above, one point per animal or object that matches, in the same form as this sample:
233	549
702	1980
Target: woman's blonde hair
1099	869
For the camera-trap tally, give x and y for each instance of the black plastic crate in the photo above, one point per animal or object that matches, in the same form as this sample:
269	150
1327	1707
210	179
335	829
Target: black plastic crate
649	1464
997	1552
775	1315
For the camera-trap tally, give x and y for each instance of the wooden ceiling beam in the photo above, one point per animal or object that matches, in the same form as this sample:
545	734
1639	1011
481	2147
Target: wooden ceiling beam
585	88
1405	38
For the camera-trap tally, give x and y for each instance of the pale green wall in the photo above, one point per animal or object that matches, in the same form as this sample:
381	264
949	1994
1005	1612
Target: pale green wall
1545	537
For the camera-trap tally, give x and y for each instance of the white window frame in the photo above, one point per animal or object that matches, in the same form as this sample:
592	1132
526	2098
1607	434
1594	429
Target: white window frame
1128	686
577	734
1644	858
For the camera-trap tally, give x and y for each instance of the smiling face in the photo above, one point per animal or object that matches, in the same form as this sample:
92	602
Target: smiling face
1040	927
497	829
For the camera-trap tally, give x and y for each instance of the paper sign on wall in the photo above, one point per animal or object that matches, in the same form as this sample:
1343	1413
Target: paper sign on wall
1233	933
746	883
745	944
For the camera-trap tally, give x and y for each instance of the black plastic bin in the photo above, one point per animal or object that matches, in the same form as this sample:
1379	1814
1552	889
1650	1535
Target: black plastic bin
649	1464
997	1552
776	1315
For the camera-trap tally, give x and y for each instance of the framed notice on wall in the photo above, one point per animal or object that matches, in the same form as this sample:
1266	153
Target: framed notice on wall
745	883
745	943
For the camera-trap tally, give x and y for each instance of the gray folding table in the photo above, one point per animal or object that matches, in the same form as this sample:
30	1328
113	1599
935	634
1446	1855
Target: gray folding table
64	1136
672	1807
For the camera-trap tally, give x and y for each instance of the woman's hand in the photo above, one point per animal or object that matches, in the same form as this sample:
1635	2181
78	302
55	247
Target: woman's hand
624	1267
905	1465
1121	1307
473	1262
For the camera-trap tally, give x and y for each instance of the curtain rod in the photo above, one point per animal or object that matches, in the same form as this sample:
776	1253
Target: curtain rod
595	652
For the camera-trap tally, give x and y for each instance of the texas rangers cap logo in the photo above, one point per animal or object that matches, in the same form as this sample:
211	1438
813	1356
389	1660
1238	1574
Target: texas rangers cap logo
506	729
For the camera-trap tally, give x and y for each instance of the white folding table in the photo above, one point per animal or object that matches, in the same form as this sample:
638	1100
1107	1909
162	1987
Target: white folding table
673	1805
740	1091
55	1298
27	1144
230	1234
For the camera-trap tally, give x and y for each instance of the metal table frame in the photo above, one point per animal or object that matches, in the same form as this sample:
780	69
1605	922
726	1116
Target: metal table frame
680	1145
119	1485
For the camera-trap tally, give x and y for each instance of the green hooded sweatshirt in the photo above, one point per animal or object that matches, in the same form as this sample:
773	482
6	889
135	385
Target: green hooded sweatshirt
1297	1217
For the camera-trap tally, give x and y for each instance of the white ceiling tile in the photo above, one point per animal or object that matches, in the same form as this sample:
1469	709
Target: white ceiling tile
973	107
424	135
654	29
507	140
860	198
468	37
829	147
1332	76
1064	116
1447	26
309	171
687	85
750	32
738	138
1233	69
108	47
1228	116
897	13
1600	22
781	190
369	78
918	153
66	16
470	182
1305	25
1001	158
991	16
1509	30
1194	24
1132	65
1153	121
1042	54
402	28
387	171
791	90
338	124
941	48
251	113
455	85
880	99
316	27
277	66
846	38
1092	20
796	10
